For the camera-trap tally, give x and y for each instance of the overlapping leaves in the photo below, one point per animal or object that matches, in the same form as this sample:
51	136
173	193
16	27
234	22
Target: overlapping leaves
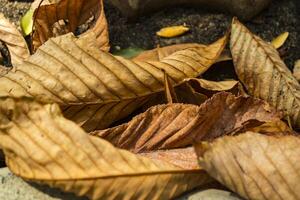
240	141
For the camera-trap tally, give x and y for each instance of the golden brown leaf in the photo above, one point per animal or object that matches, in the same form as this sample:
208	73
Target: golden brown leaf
172	31
253	165
280	40
95	88
14	41
169	90
296	71
178	125
41	145
263	73
161	52
72	13
185	158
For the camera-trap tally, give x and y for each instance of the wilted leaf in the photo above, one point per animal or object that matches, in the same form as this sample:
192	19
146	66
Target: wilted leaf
172	31
185	158
253	165
280	40
263	73
14	41
73	13
169	90
296	71
178	125
95	88
41	145
161	52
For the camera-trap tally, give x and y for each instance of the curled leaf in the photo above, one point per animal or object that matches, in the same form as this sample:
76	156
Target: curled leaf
253	165
172	31
280	40
264	74
95	88
72	13
41	145
14	41
178	125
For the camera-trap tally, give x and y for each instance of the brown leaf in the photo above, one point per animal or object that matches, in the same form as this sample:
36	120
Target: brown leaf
178	125
169	90
14	41
296	71
74	13
185	158
161	52
264	74
253	165
41	145
95	88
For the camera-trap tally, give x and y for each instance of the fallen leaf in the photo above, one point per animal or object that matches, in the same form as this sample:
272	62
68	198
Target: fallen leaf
296	71
161	52
169	90
280	40
172	31
74	13
14	41
185	158
95	88
178	125
41	145
209	88
253	165
264	74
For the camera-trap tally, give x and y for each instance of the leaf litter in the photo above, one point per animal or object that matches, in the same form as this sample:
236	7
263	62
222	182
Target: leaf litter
60	109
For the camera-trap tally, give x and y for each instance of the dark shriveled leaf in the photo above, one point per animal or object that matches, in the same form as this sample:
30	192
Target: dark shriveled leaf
179	125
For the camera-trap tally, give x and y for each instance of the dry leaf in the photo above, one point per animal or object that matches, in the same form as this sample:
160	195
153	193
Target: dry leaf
169	90
253	165
161	52
95	88
41	145
263	73
14	41
280	40
74	13
178	125
185	158
296	71
172	31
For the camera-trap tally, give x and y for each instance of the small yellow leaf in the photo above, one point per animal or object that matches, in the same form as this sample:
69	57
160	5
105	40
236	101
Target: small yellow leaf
280	40
172	31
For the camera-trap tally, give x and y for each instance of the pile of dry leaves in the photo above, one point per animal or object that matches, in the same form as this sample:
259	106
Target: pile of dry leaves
59	107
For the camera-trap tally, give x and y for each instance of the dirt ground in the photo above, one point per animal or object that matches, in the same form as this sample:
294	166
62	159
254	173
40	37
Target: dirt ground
206	26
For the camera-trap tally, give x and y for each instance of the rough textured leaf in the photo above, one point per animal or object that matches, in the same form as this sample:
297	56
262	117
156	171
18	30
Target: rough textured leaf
296	71
74	13
178	125
95	88
280	40
14	41
253	165
161	52
263	73
172	31
41	145
185	158
211	194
